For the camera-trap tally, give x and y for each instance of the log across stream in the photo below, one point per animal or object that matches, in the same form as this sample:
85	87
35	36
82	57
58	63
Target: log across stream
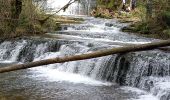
96	54
89	61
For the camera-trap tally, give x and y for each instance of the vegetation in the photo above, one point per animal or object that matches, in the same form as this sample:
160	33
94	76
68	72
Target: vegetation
20	17
155	21
150	17
25	17
110	8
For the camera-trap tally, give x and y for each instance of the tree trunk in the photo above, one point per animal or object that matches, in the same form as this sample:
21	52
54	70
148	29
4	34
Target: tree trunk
96	54
16	8
133	4
149	8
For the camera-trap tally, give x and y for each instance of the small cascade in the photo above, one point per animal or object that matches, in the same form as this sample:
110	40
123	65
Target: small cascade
147	70
82	7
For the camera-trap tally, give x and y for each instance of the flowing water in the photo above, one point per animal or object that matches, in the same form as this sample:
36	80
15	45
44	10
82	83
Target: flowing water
82	7
131	76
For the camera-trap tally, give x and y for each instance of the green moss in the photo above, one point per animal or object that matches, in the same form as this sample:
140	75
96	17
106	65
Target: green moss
142	28
111	4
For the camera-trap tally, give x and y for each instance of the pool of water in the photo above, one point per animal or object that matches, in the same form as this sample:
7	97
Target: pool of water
49	84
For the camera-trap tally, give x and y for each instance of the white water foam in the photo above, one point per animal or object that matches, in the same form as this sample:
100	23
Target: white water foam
143	95
54	75
71	37
3	48
162	89
15	53
6	61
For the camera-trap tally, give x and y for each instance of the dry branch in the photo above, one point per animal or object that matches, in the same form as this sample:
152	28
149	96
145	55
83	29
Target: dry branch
63	8
132	48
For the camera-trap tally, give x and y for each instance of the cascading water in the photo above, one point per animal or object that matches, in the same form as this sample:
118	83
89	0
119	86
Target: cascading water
147	70
82	7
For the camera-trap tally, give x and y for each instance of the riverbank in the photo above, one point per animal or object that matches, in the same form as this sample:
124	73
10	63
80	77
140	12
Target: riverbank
36	29
141	29
130	69
24	18
155	27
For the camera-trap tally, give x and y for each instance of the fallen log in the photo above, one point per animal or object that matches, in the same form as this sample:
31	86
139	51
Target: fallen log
165	49
125	49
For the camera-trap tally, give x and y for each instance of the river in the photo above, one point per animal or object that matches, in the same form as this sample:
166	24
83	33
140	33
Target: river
131	76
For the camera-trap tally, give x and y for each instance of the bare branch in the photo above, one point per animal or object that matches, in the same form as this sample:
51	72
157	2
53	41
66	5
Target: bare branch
63	8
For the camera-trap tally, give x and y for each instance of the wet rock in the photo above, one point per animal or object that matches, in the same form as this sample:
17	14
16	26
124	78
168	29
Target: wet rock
109	24
128	29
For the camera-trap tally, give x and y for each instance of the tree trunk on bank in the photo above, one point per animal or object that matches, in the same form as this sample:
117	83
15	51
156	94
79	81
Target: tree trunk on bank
149	8
16	8
96	54
133	4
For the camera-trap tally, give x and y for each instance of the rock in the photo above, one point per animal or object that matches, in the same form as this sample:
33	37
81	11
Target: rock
109	24
127	29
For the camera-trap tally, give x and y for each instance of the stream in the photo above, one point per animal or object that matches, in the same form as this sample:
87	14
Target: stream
132	76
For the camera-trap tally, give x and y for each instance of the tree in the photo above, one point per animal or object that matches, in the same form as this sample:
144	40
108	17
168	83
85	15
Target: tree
16	8
149	9
133	4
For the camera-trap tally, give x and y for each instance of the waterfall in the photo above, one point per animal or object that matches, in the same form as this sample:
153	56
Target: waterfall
78	8
149	70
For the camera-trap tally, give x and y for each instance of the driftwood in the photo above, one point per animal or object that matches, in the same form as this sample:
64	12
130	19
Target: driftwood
125	49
